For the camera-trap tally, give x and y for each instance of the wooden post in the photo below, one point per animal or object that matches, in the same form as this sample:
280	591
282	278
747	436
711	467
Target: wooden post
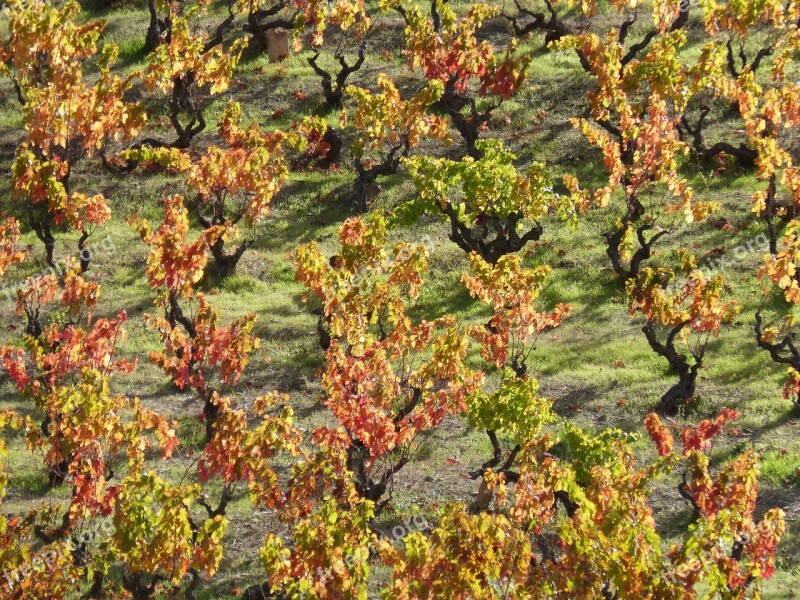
277	45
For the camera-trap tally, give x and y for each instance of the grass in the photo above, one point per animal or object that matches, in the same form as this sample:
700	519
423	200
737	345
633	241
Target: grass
597	367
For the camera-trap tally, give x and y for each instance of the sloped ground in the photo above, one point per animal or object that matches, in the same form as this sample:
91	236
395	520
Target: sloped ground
596	367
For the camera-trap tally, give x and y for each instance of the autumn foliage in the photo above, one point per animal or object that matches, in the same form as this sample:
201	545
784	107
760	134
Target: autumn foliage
446	49
388	128
68	117
377	383
635	113
198	353
229	187
681	315
10	253
536	542
187	68
512	291
334	460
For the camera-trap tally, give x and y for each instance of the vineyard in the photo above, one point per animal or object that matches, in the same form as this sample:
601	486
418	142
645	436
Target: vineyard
399	299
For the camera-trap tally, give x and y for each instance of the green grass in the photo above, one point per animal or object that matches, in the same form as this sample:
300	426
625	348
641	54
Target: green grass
597	367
